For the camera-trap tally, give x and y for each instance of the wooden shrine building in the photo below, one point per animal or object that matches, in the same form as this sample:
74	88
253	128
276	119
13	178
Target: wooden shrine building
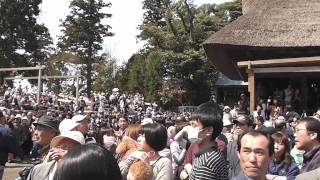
273	45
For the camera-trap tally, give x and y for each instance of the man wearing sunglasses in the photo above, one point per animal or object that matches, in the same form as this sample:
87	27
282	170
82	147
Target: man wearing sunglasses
307	138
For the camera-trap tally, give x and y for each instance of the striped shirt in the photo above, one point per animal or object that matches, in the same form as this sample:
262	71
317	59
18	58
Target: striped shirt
209	165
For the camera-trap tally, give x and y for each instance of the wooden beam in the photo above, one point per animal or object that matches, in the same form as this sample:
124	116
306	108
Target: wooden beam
287	69
43	77
22	68
251	90
275	62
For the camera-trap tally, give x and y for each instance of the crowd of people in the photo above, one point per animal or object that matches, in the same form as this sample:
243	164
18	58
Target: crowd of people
120	136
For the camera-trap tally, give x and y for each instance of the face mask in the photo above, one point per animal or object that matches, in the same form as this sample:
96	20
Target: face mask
193	136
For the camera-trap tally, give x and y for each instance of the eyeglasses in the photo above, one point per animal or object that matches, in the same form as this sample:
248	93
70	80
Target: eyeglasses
298	130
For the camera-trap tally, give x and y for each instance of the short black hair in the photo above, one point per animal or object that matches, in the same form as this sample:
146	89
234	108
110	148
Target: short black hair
256	133
123	117
89	161
260	119
155	135
210	115
312	124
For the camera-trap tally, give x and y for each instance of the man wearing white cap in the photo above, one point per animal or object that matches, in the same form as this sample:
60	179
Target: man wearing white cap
77	123
60	145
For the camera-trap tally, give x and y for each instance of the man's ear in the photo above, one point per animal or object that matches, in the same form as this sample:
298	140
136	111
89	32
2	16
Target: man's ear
314	135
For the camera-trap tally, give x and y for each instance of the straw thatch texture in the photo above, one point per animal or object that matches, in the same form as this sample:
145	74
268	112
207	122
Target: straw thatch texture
248	5
268	29
275	23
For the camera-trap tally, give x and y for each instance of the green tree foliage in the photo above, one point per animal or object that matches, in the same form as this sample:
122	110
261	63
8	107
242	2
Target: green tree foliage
152	76
136	73
83	33
173	69
229	11
23	42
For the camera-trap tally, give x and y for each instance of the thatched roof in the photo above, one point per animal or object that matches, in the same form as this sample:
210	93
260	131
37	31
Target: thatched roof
268	29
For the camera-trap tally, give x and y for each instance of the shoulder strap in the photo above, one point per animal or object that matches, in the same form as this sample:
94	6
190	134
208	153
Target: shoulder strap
156	161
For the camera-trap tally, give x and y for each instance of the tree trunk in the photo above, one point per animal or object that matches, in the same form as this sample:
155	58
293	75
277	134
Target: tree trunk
89	79
191	18
90	60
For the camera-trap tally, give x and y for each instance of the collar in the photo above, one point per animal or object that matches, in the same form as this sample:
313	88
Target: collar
209	149
243	176
309	155
44	149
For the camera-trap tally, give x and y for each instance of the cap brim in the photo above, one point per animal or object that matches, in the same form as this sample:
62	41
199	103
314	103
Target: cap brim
237	121
227	124
36	123
56	140
84	118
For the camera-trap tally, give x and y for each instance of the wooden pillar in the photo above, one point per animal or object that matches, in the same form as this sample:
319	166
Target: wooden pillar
77	90
251	89
39	86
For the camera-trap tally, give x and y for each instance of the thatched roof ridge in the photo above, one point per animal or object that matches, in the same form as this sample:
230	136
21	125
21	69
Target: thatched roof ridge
274	23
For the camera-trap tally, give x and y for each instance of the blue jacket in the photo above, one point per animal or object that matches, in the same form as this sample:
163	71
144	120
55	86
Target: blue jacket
8	144
278	169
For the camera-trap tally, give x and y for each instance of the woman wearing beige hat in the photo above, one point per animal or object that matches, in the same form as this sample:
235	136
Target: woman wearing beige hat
60	145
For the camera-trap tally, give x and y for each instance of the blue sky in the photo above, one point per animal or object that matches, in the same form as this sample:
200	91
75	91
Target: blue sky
127	15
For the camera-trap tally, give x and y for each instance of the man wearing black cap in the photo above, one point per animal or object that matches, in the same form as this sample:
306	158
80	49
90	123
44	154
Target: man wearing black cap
8	144
46	128
242	125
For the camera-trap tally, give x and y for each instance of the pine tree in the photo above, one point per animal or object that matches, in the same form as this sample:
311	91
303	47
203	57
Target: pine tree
83	33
